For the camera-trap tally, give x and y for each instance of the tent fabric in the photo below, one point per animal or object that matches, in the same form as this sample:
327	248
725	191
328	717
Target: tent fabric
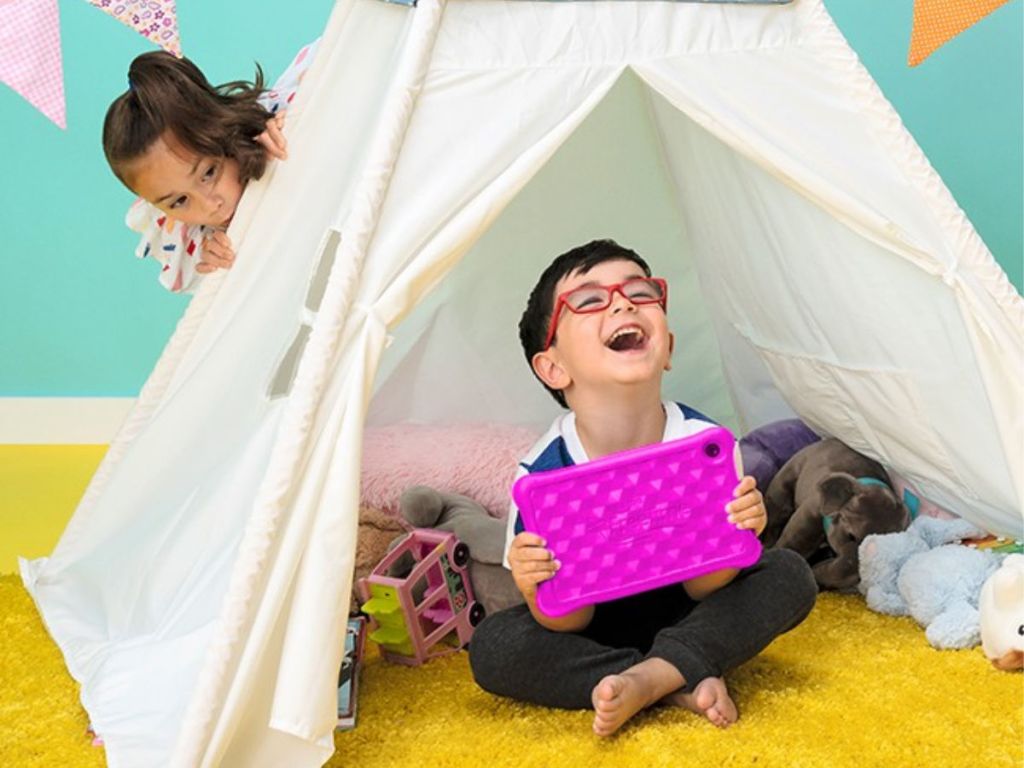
441	156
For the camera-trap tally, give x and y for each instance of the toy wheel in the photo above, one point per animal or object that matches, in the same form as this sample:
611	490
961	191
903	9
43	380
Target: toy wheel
461	555
476	614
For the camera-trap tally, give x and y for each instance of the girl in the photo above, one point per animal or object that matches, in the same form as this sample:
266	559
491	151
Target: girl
188	149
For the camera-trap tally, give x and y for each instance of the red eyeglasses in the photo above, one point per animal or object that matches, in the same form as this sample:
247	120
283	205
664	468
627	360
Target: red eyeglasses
595	298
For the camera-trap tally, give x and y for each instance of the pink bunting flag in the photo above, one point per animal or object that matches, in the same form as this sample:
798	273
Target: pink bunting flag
30	59
156	20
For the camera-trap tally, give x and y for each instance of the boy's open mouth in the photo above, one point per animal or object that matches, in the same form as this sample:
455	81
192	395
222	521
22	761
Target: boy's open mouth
627	339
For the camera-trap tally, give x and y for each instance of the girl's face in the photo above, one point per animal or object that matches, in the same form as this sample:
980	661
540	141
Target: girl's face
191	188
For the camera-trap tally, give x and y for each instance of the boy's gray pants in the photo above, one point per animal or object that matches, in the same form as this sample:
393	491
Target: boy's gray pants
512	655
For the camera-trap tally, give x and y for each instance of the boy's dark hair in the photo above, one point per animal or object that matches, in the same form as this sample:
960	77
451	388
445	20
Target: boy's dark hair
167	93
533	325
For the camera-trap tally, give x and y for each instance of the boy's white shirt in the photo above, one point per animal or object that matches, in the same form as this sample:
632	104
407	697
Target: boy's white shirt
677	426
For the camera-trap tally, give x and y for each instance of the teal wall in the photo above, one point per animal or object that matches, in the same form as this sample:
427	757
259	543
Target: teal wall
964	106
80	317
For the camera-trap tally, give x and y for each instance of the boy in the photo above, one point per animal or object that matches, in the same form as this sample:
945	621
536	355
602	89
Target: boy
595	334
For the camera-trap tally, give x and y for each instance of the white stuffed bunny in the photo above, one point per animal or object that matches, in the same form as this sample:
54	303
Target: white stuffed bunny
1002	615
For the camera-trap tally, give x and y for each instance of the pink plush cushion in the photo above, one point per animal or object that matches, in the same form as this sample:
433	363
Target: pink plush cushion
476	460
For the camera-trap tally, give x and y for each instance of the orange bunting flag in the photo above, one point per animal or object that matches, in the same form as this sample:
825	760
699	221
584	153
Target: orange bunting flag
936	22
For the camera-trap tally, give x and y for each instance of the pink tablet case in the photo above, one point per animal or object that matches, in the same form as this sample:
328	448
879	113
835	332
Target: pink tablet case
636	520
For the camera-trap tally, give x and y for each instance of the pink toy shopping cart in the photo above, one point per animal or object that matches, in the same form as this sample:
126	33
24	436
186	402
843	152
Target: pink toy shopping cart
430	611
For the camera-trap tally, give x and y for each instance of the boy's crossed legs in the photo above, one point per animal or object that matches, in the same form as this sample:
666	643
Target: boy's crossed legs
657	646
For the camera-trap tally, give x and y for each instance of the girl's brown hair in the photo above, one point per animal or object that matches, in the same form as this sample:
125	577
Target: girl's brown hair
166	93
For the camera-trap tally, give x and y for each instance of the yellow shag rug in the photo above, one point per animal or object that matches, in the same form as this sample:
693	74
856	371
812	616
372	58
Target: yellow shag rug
846	688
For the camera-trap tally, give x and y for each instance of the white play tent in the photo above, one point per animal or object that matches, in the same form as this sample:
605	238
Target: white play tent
442	155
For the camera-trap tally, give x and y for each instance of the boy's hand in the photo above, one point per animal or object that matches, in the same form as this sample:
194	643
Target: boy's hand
531	563
273	139
747	510
217	254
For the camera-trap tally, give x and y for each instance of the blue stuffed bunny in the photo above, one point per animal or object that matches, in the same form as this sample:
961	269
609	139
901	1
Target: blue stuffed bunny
925	573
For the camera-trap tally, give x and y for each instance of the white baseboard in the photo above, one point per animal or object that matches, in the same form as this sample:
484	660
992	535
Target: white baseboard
61	420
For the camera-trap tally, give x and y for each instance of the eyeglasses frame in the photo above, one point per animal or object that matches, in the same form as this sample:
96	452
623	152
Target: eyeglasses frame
611	291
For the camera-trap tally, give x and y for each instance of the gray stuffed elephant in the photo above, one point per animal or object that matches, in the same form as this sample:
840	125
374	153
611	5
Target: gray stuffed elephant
822	504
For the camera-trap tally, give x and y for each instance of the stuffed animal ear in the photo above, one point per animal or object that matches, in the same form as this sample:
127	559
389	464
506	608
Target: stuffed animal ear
1008	587
421	505
836	489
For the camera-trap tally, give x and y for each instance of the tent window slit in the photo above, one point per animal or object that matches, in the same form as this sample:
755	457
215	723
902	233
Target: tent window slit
318	282
284	374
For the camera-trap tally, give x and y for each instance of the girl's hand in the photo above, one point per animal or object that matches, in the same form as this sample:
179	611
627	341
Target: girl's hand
747	510
531	563
273	139
217	254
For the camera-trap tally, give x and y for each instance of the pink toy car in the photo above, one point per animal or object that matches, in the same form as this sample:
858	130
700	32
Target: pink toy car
430	612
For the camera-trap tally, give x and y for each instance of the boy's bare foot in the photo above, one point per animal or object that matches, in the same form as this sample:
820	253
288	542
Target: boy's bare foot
618	697
709	698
